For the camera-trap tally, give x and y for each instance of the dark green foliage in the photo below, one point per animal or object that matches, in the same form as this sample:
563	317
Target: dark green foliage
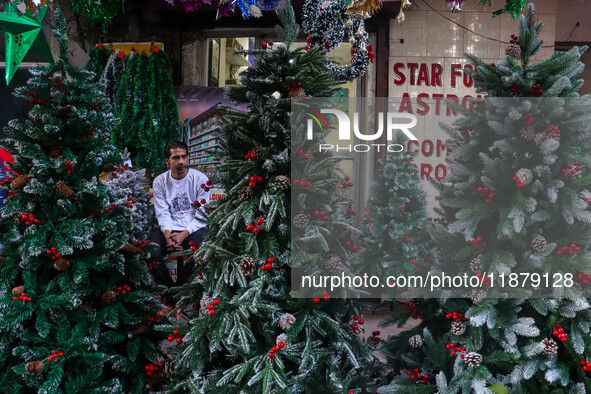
66	312
98	60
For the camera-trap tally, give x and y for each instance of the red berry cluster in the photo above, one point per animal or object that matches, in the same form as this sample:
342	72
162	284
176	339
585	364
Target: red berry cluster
572	170
325	297
54	355
435	220
253	228
483	279
484	192
514	39
353	248
408	239
321	214
269	265
301	183
198	204
29	219
251	156
374	338
476	242
309	43
586	198
96	107
568	250
129	204
412	307
412	261
586	365
552	132
254	180
293	85
141	243
536	90
456	316
350	212
559	333
23	297
357	324
99	46
54	253
211	307
266	45
401	207
275	349
154	320
528	119
34	100
152	265
206	186
518	182
302	155
347	182
427	258
6	181
87	134
154	368
122	290
416	375
193	245
584	278
514	91
455	349
175	335
120	168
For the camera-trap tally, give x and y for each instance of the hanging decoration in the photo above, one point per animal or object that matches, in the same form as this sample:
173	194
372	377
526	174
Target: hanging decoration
328	23
514	7
226	8
100	12
454	5
364	8
404	5
22	32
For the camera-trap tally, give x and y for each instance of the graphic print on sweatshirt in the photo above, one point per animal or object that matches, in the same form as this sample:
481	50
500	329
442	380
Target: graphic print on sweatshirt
181	203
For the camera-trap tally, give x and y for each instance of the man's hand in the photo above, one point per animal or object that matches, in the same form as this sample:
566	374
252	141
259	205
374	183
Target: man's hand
170	243
178	238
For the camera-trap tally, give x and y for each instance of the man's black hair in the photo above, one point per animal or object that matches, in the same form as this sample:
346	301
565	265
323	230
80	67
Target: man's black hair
174	145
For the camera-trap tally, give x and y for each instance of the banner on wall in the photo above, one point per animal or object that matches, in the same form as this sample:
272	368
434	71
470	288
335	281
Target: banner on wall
202	117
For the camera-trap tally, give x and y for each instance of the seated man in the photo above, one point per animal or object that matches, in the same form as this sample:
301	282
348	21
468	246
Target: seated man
179	220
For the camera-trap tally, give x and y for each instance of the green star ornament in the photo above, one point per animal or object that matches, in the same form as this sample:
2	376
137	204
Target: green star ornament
22	32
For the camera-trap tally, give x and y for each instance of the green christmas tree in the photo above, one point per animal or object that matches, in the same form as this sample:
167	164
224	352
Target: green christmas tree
394	236
516	204
99	57
146	107
250	335
74	295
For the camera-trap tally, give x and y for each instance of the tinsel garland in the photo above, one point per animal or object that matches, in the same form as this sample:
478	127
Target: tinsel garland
112	74
99	56
327	24
514	7
226	7
101	12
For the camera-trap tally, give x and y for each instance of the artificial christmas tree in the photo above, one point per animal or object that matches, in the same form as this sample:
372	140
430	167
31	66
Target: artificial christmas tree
251	335
75	295
537	222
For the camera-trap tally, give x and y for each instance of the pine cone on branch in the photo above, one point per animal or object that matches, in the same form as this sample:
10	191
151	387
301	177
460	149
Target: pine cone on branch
245	194
282	338
109	168
108	297
247	266
61	264
65	190
527	133
257	151
473	359
94	212
550	346
282	182
458	328
416	341
539	244
138	331
19	182
300	221
17	291
35	367
513	50
334	264
475	265
203	304
286	321
130	249
56	150
478	296
63	112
